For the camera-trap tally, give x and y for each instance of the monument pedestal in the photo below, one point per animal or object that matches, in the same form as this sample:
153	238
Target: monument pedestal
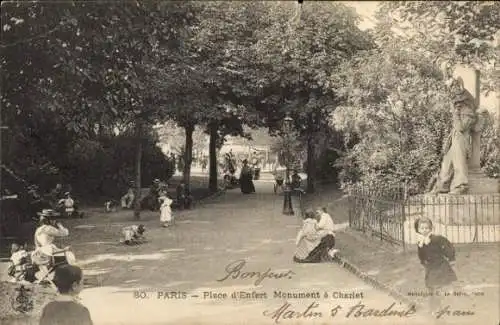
465	218
464	209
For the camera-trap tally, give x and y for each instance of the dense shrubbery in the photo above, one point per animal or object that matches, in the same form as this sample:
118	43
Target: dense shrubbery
490	148
105	168
397	110
99	168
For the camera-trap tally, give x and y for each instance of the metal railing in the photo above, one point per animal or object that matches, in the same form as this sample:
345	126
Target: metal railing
460	218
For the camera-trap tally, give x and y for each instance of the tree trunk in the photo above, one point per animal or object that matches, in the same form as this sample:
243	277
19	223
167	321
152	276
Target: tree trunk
310	155
188	155
212	179
138	163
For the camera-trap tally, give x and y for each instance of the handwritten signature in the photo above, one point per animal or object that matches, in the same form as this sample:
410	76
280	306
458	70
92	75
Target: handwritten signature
359	310
447	311
287	311
235	270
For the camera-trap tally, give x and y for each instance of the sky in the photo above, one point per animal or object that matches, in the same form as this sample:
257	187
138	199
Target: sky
366	9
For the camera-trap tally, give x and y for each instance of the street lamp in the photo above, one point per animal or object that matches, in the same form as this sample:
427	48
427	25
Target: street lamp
287	195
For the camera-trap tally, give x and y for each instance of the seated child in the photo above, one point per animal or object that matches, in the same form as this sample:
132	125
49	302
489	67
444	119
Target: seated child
326	228
66	309
133	234
127	200
110	206
19	262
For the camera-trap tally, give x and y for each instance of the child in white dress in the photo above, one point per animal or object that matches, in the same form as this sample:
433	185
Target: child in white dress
166	217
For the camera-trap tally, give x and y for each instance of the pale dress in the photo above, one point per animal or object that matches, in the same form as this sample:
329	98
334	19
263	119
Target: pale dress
165	209
307	238
45	247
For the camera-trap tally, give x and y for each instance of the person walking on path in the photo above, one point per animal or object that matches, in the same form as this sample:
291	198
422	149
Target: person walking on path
246	182
436	254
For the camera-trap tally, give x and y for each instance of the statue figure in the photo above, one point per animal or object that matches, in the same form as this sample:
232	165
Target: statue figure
453	176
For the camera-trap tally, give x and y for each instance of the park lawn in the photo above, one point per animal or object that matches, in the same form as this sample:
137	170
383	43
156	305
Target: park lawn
477	265
94	214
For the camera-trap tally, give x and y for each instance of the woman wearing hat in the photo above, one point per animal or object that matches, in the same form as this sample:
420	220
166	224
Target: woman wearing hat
246	182
45	235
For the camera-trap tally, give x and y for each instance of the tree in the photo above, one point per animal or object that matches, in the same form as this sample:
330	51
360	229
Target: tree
216	65
458	32
397	110
101	54
297	55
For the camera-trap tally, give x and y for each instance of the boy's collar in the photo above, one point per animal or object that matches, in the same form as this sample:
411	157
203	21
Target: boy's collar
62	297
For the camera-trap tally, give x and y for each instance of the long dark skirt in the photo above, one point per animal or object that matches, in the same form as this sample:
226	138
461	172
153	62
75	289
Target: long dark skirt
246	184
320	252
439	275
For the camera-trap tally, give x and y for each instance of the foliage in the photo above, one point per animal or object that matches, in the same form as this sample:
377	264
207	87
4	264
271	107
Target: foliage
75	73
289	149
174	136
490	147
397	109
459	32
296	55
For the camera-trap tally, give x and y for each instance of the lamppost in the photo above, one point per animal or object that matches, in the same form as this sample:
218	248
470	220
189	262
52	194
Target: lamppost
287	194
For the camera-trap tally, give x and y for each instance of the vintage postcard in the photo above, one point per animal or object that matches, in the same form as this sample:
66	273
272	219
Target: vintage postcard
250	162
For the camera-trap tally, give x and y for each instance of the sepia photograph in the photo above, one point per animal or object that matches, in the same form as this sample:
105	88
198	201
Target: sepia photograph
250	162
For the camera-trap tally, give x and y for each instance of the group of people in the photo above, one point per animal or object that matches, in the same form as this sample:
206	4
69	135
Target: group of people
159	199
315	243
158	188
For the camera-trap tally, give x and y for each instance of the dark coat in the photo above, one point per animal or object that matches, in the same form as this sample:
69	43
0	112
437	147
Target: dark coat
436	257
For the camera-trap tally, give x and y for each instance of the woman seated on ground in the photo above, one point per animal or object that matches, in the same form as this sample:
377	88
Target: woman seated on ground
307	239
316	240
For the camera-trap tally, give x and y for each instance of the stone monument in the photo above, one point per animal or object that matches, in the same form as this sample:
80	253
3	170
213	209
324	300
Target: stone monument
464	204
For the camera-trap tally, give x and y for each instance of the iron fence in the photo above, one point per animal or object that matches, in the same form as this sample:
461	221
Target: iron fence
460	218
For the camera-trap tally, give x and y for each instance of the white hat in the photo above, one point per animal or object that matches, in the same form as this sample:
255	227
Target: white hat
48	213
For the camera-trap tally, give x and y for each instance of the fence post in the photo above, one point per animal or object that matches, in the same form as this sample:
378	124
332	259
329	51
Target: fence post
381	223
402	223
475	239
349	209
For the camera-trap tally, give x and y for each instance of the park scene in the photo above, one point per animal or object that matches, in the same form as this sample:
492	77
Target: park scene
241	162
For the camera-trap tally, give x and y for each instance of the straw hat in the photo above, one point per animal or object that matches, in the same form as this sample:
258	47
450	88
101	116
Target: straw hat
48	213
